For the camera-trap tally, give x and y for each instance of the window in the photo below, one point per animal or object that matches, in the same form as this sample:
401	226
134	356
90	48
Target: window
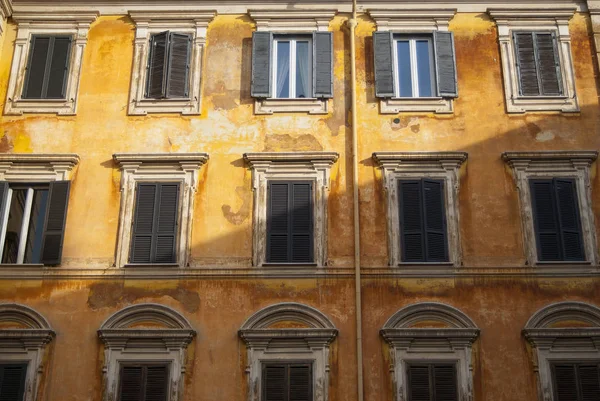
423	220
556	219
167	62
430	346
155	223
576	382
47	59
48	67
421	190
287	382
12	382
536	59
157	203
290	206
289	224
144	383
292	74
555	200
413	58
288	353
169	65
432	382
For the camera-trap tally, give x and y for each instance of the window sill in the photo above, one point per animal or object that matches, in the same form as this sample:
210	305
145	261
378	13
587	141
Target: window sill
289	265
152	265
58	106
305	105
397	105
425	264
22	265
522	104
563	263
181	106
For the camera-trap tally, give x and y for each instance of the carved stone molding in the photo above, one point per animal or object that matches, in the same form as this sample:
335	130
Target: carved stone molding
302	166
158	167
410	340
309	342
416	165
5	12
551	164
40	167
292	21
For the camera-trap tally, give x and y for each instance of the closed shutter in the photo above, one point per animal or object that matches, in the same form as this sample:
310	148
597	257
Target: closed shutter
3	199
432	382
568	218
589	378
323	64
548	64
384	64
290	222
576	382
445	64
132	386
538	64
435	221
54	226
12	382
274	383
287	382
419	384
47	68
155	223
262	43
157	380
411	221
157	66
300	383
144	383
180	46
444	383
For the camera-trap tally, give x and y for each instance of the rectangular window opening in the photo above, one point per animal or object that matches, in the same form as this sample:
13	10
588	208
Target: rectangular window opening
287	381
47	67
292	69
144	382
168	68
415	67
432	382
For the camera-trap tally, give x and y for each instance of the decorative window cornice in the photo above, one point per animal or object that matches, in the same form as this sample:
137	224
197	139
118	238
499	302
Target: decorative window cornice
31	167
292	21
412	20
5	12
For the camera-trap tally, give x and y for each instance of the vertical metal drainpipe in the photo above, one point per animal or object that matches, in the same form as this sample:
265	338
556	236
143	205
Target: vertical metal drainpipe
357	282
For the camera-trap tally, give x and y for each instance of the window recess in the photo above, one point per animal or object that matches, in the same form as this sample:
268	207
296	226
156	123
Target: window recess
168	69
48	67
538	64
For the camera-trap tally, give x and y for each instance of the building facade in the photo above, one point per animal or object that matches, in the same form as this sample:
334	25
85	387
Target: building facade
289	201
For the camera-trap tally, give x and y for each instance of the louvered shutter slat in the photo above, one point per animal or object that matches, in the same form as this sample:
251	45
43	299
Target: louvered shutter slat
526	63
572	238
278	222
589	377
56	218
411	221
12	382
157	380
157	66
445	61
548	65
143	225
444	377
301	230
435	221
40	45
323	64
261	64
565	382
59	66
131	388
544	216
179	65
166	225
384	64
274	383
300	383
419	386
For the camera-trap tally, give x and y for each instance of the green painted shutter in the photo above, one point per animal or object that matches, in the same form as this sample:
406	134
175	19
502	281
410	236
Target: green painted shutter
58	68
444	383
180	46
12	382
436	242
301	227
262	43
445	64
323	64
157	66
157	382
274	383
548	64
131	383
54	226
568	218
384	64
412	241
545	221
419	383
278	226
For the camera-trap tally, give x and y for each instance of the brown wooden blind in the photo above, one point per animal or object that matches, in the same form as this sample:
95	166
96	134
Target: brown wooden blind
432	382
287	382
144	383
576	382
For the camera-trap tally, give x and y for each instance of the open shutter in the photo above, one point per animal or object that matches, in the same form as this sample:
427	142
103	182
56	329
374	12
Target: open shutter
419	385
143	223
261	64
526	63
278	241
323	64
444	379
300	383
411	221
54	226
384	64
274	383
445	64
568	218
166	224
12	382
548	64
301	229
36	67
435	221
589	379
565	382
59	67
132	387
157	381
544	218
180	46
3	199
157	66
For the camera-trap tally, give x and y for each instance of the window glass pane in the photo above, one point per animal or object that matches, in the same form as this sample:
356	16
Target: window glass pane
302	70
404	76
282	80
424	68
33	248
13	226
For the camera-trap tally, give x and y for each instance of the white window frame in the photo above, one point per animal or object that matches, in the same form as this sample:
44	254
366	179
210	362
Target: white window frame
572	344
75	24
307	341
417	22
26	343
300	166
164	343
555	164
413	65
157	167
416	165
410	341
509	20
148	23
292	39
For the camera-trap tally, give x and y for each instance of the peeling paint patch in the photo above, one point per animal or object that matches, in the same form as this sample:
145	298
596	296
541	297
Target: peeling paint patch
242	215
6	144
275	143
544	136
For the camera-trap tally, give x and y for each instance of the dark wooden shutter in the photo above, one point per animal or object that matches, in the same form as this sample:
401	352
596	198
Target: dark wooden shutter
589	379
54	226
157	66
544	218
526	63
157	381
144	383
36	67
3	199
287	382
445	64
12	382
548	63
262	43
444	383
180	46
131	386
301	214
274	383
568	219
278	226
436	242
47	67
155	223
58	68
419	384
300	383
411	221
323	64
384	64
